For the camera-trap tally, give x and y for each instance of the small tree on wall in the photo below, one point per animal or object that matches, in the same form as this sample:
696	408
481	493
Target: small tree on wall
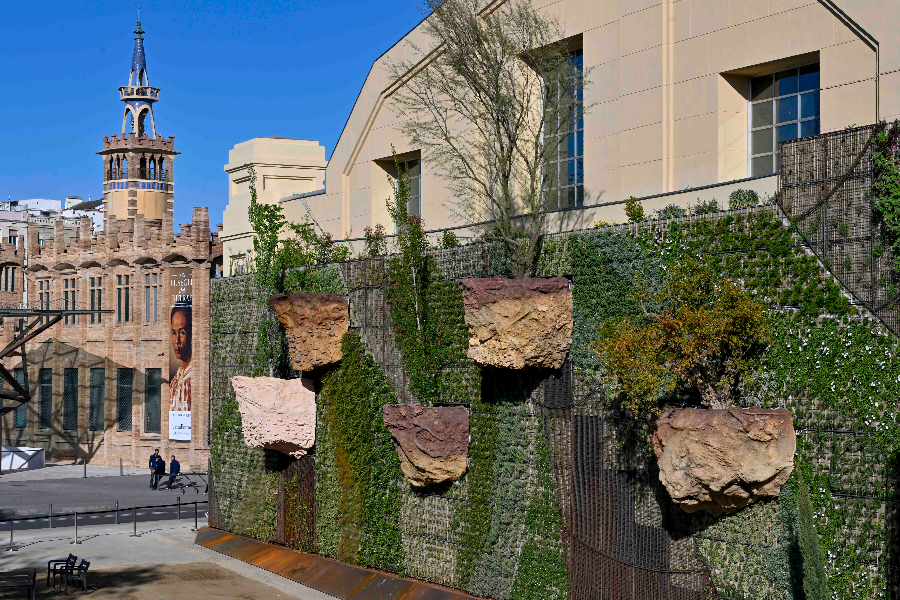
701	333
490	110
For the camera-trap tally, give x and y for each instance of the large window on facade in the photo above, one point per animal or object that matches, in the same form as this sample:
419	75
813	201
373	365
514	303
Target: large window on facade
151	297
45	398
152	400
783	106
98	399
96	299
44	294
70	399
69	299
20	415
413	170
8	279
565	172
123	299
124	383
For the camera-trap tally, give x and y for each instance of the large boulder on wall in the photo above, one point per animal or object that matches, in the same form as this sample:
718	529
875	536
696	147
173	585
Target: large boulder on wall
722	460
518	323
315	325
277	414
431	442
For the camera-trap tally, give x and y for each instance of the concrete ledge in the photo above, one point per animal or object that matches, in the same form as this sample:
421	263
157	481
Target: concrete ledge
340	580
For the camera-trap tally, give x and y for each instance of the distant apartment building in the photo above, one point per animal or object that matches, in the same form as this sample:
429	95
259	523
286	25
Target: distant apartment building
688	101
116	385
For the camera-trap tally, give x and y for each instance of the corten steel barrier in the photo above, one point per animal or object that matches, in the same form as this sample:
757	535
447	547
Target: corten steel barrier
825	185
115	511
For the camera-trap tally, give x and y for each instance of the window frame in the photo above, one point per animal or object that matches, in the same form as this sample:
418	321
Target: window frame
70	399
45	399
775	125
573	162
97	400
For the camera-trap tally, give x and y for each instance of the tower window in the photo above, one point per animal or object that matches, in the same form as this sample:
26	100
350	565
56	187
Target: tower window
123	299
69	299
96	299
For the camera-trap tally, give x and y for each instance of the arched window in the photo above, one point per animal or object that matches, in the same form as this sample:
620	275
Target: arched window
152	168
124	174
162	169
129	121
142	174
117	174
111	172
140	127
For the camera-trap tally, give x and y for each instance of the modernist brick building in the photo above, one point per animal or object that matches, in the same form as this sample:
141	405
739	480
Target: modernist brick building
101	383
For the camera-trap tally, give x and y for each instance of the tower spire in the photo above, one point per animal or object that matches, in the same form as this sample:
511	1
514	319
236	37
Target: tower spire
138	96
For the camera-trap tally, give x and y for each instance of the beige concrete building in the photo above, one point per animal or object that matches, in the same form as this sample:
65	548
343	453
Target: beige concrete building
285	169
687	94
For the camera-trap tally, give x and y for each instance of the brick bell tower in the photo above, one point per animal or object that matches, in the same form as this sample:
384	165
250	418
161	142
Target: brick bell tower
138	165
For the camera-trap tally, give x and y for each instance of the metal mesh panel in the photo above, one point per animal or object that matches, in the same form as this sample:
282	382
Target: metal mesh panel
70	399
826	187
98	399
45	398
20	415
124	381
152	400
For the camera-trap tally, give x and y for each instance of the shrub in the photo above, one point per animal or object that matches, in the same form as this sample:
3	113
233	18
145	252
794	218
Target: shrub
743	199
670	212
634	210
449	240
705	206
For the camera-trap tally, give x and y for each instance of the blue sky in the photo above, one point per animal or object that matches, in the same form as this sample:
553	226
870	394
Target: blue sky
229	71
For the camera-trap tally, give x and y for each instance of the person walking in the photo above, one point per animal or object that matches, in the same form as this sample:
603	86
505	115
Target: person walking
154	478
174	469
160	469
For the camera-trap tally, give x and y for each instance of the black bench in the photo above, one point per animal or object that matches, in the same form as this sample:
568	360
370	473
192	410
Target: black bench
19	579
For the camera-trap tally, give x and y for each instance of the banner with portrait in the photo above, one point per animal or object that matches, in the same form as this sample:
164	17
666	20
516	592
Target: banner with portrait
180	352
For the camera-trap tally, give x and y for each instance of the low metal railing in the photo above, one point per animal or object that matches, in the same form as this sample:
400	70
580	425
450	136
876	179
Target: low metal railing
115	511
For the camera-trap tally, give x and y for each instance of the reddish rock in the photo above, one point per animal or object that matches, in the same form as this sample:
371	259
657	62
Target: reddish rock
277	414
315	325
722	460
431	442
517	323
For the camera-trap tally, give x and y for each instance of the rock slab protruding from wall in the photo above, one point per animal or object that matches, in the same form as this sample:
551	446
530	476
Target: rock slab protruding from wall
722	460
518	323
315	324
277	414
431	442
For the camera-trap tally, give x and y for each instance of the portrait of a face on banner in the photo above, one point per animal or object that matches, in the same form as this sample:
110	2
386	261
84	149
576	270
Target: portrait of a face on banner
180	353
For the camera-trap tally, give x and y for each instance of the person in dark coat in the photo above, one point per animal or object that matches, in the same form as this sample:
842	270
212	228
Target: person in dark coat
174	469
160	469
154	478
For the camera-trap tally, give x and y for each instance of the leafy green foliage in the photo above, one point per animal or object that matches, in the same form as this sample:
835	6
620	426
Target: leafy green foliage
368	469
743	199
634	210
709	334
670	211
375	240
449	240
705	206
887	186
280	247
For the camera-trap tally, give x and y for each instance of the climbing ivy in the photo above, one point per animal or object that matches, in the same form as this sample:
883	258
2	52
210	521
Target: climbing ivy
368	470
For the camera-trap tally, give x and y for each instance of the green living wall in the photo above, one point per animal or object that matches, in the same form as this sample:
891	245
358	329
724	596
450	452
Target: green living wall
498	532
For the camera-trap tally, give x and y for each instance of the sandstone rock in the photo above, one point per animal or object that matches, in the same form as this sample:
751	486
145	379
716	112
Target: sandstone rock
517	323
277	414
722	460
315	325
432	442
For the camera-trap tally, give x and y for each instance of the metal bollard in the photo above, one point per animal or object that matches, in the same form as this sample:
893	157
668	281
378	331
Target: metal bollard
178	498
134	520
117	512
12	526
50	517
121	468
84	462
195	517
76	528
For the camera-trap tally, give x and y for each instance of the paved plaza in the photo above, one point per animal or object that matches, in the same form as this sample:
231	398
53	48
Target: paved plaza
163	562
